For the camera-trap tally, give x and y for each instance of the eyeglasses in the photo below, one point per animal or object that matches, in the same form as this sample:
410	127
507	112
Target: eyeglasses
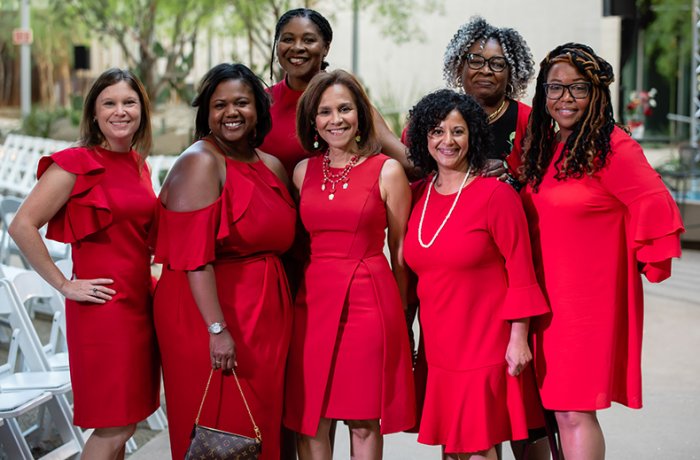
477	61
577	90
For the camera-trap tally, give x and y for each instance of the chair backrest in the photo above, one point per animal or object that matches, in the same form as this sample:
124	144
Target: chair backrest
19	158
30	347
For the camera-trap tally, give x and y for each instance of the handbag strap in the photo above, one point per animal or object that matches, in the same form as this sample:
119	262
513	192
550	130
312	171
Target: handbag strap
258	435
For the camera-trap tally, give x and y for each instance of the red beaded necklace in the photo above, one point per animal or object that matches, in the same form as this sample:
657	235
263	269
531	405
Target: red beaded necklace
334	178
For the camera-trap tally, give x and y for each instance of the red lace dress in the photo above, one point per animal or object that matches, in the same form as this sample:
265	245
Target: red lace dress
242	235
112	347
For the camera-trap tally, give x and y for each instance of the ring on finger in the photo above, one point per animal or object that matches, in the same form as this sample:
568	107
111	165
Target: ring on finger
94	291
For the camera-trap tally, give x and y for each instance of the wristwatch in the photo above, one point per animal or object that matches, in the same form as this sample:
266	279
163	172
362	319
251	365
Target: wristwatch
216	328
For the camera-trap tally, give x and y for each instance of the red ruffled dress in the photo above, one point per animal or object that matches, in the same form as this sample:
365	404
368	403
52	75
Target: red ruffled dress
349	357
242	235
476	277
113	354
592	238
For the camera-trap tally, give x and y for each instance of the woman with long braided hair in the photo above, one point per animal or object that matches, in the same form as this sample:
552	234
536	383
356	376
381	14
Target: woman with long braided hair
599	216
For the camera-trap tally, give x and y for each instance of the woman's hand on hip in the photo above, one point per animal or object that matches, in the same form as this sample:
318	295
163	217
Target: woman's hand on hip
222	350
93	290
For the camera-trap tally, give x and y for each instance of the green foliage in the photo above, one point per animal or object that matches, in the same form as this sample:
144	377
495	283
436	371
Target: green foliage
669	35
40	122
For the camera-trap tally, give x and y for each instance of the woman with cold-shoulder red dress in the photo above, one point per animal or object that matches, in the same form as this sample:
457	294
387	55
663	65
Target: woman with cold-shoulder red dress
224	218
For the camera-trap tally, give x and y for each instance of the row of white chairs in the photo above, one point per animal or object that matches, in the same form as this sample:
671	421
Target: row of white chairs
19	157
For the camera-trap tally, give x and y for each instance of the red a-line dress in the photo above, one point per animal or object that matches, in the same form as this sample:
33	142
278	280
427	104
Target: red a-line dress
349	357
476	277
114	364
242	235
592	237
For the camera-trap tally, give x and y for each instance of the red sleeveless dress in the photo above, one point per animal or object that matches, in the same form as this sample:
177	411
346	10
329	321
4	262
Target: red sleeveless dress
113	354
349	357
242	234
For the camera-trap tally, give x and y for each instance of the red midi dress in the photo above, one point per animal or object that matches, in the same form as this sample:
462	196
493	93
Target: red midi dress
113	355
242	235
476	277
592	238
349	357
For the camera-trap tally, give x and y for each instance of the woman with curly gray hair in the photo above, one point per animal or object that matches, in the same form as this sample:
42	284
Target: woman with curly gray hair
494	65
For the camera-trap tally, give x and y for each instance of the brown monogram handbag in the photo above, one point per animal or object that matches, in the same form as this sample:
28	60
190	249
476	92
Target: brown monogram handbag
211	444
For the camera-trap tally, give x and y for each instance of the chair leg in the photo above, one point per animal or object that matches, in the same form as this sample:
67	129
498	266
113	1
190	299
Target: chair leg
62	417
13	441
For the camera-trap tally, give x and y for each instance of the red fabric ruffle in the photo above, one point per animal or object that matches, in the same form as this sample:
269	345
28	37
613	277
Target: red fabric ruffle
524	302
87	211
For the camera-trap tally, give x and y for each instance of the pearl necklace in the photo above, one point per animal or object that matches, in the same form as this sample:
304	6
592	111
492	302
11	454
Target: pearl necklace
447	217
495	114
332	178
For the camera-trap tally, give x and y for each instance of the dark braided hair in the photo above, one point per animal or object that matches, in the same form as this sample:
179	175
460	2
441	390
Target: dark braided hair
324	28
588	146
430	111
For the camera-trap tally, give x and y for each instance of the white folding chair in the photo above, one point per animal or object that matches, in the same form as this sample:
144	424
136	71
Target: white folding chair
12	406
31	372
32	289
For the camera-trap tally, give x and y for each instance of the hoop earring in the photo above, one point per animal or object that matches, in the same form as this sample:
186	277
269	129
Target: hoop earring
510	89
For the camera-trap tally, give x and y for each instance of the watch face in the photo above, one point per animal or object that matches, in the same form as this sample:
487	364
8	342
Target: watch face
215	328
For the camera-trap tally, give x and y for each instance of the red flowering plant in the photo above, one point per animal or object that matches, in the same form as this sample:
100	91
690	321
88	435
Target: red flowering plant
641	104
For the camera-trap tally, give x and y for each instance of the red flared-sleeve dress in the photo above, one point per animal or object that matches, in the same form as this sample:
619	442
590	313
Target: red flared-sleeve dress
476	277
114	365
592	238
242	235
349	358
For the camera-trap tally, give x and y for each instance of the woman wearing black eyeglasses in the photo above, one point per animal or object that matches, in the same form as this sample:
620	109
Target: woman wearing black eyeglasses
599	216
494	66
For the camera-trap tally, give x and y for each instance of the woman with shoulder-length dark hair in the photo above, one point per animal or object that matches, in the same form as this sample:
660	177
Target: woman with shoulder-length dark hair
98	197
222	302
600	216
349	359
467	242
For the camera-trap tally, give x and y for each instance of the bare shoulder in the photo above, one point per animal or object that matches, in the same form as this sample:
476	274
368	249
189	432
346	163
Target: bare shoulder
275	165
194	180
300	173
393	171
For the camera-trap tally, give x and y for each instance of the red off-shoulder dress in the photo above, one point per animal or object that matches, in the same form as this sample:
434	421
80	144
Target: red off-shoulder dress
242	235
592	239
476	277
113	354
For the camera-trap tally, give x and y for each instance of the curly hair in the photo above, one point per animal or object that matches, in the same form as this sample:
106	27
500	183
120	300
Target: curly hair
90	134
224	72
307	107
588	146
324	28
430	111
521	66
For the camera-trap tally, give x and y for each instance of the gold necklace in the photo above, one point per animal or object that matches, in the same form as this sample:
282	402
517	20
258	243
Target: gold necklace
495	114
447	217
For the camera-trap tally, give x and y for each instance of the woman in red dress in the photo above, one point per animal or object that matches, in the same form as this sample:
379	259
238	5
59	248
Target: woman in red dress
224	217
301	43
600	216
349	358
467	242
98	197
